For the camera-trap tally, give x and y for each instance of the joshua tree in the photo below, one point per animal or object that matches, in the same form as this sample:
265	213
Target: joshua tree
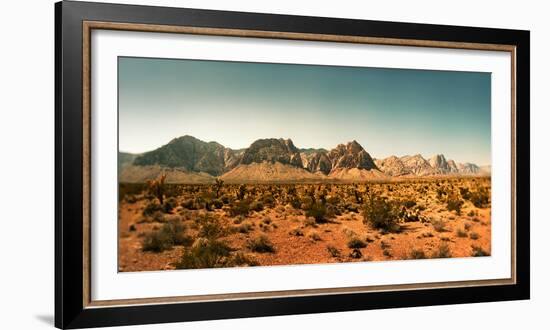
218	184
241	192
156	187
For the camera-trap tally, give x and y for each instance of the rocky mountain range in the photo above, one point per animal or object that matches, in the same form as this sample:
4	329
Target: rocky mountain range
189	160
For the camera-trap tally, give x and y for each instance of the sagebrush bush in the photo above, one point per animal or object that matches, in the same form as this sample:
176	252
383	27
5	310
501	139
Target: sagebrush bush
205	254
439	225
454	203
333	251
169	204
240	208
381	214
480	198
318	211
210	227
170	234
461	233
418	254
477	251
356	243
151	208
443	251
256	206
261	244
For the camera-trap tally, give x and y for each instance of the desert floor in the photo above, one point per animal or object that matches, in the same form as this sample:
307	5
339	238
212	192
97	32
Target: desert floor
426	227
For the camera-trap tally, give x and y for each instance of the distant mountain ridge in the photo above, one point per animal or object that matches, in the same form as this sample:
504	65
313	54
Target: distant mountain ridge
189	160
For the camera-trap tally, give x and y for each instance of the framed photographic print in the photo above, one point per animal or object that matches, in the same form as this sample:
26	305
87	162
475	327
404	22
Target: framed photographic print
218	164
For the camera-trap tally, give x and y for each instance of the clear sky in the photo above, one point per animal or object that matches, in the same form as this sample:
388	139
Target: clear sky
388	111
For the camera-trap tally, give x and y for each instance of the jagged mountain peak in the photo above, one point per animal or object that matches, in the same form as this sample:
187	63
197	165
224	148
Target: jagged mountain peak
351	155
272	150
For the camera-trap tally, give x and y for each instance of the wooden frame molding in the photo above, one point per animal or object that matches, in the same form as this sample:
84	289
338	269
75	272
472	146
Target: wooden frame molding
89	26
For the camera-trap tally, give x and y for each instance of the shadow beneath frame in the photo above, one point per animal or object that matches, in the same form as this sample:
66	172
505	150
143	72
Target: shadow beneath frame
45	318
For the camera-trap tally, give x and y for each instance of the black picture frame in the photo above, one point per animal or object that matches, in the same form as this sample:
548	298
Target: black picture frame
70	181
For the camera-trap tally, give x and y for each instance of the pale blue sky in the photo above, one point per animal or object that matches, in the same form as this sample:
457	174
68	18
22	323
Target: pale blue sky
388	111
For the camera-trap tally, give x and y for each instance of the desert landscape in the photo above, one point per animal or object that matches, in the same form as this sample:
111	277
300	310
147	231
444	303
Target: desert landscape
193	204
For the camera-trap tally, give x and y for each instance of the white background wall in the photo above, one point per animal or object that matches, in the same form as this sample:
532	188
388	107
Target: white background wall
27	168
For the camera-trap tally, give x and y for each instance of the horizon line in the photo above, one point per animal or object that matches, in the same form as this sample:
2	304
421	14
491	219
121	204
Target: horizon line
316	148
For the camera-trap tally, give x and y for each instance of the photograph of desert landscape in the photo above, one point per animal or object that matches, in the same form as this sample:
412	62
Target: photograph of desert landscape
236	164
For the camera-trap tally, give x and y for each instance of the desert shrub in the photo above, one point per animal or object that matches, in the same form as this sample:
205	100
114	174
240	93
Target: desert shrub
296	203
443	251
217	203
245	228
418	254
356	243
178	233
240	259
157	241
454	204
171	233
205	254
296	232
480	198
261	244
334	200
225	199
333	251
356	254
381	214
461	233
318	211
189	204
240	208
474	236
310	222
130	199
169	205
256	206
439	225
210	227
384	245
408	204
314	236
306	203
440	191
132	228
268	200
465	193
477	251
151	208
